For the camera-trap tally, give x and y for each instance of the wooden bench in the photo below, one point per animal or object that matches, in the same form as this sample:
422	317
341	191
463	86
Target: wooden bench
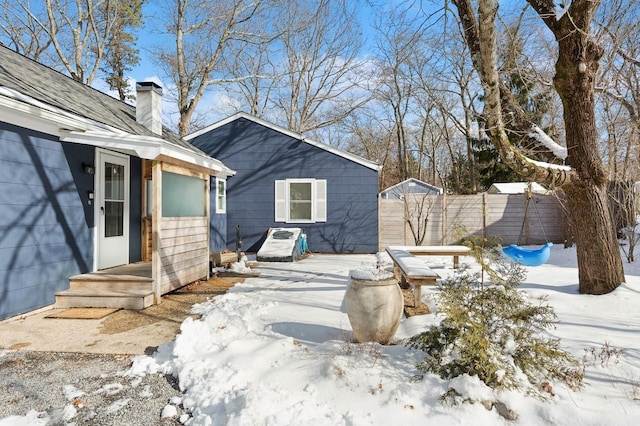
455	251
413	271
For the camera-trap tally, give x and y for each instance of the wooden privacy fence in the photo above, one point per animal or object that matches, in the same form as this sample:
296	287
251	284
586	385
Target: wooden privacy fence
481	215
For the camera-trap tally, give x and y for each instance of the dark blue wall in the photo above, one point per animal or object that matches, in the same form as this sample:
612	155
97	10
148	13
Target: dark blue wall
260	156
45	218
217	223
135	209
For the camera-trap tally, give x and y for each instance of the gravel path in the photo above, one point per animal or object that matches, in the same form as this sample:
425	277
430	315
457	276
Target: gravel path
83	389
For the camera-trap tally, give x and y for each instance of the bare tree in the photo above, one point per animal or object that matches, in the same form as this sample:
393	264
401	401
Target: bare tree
204	33
20	28
417	208
262	74
585	183
458	96
322	71
399	44
619	86
370	137
72	35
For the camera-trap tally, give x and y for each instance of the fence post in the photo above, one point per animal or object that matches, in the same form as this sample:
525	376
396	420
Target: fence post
527	237
443	227
484	215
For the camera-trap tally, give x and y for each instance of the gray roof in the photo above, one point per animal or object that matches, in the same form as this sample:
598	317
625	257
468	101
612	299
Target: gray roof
56	89
412	186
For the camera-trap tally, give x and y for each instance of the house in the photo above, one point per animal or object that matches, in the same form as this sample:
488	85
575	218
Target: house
516	188
410	186
286	180
88	183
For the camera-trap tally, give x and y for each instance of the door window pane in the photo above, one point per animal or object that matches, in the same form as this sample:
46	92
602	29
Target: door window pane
113	200
113	218
113	181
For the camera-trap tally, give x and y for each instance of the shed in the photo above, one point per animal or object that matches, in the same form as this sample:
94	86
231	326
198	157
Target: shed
90	185
286	180
410	186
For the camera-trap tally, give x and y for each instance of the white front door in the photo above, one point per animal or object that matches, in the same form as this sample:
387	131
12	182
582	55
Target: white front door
112	209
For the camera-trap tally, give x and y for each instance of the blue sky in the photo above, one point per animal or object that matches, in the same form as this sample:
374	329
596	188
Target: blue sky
146	70
148	36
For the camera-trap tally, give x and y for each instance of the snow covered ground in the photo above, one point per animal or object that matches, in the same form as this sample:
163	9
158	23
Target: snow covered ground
275	350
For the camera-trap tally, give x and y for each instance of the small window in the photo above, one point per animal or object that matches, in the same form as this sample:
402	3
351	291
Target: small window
182	196
301	201
221	195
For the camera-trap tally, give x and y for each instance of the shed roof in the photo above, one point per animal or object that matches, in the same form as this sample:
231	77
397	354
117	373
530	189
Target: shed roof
243	115
515	188
398	187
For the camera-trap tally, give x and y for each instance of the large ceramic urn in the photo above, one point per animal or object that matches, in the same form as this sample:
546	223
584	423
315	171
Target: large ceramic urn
374	305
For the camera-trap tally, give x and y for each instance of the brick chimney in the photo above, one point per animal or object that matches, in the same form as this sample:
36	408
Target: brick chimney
149	106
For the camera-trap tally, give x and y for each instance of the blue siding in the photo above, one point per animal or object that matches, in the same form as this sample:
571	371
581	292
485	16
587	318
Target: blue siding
45	218
260	156
135	209
217	222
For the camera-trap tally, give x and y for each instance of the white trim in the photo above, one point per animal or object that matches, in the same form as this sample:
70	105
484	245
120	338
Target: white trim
21	110
146	147
312	183
218	182
280	203
318	200
98	200
299	136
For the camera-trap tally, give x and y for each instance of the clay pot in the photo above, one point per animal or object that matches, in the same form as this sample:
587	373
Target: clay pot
374	308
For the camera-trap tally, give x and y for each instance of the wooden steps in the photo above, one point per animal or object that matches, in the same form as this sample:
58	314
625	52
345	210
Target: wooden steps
108	289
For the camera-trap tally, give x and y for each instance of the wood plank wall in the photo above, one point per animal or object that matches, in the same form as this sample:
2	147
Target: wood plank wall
180	244
452	216
184	251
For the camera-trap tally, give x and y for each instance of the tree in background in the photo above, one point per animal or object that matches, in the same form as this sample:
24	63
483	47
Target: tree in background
121	54
321	42
619	87
205	35
21	29
73	36
490	167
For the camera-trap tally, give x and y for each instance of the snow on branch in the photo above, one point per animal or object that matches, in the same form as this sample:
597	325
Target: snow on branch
538	134
562	8
549	165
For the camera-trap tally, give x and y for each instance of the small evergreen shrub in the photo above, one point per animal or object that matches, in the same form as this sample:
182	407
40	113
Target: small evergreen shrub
493	331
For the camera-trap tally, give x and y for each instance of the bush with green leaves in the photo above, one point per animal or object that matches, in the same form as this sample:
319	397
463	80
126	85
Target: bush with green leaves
493	331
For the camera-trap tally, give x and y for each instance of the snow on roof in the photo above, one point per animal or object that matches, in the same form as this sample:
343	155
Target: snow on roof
515	188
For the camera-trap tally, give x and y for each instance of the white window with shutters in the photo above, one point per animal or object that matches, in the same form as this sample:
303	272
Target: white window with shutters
301	200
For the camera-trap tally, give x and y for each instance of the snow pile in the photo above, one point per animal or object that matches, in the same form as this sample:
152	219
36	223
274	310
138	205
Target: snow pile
276	350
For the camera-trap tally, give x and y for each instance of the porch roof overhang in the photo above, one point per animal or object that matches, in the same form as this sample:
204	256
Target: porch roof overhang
146	147
24	111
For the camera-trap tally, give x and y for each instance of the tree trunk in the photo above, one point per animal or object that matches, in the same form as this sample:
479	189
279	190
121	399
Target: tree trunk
599	263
